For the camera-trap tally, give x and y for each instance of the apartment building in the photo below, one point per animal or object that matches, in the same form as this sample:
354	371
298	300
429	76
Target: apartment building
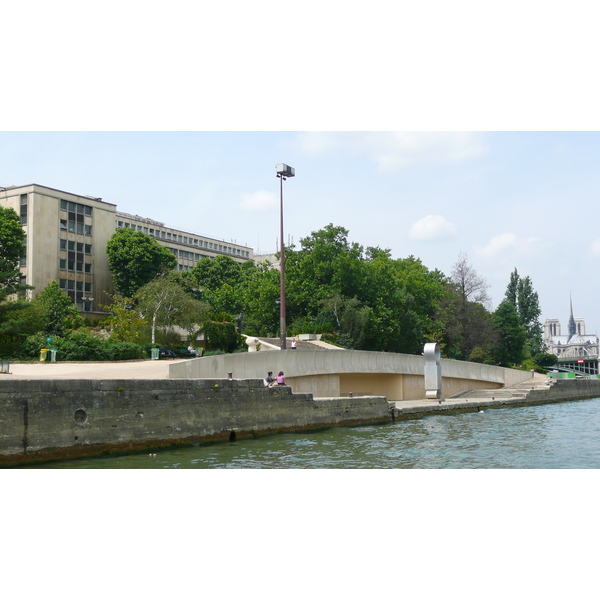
66	236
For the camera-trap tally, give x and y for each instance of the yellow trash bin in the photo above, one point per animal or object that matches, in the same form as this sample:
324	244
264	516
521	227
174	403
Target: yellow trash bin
43	354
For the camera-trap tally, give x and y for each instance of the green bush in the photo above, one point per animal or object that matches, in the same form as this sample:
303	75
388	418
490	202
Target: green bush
32	345
82	345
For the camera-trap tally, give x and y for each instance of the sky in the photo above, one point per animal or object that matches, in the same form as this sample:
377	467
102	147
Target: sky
524	200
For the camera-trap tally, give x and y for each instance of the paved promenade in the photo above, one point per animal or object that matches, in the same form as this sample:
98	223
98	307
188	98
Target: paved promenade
159	369
143	369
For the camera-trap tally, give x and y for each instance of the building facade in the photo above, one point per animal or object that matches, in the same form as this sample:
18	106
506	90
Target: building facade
576	351
66	236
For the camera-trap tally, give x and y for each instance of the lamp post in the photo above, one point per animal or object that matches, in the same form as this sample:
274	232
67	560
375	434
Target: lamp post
283	172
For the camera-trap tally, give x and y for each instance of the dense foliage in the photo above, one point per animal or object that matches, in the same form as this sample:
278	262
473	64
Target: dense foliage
134	259
355	297
12	250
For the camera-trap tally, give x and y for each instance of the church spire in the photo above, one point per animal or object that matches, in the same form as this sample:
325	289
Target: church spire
572	328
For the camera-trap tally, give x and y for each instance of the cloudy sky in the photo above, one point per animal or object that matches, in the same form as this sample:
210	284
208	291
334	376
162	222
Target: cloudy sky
524	200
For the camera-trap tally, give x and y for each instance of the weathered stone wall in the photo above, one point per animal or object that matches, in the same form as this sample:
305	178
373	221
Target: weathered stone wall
53	419
567	389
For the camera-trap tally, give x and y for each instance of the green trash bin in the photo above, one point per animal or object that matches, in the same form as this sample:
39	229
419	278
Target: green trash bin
43	354
53	352
154	353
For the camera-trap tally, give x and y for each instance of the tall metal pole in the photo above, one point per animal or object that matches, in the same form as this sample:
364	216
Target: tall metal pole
282	326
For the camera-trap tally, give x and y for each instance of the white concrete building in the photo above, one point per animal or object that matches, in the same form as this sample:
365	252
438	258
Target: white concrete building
66	236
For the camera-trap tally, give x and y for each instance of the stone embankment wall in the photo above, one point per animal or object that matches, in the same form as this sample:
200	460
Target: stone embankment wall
53	419
566	389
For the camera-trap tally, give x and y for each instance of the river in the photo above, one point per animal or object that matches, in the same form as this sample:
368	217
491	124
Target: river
563	435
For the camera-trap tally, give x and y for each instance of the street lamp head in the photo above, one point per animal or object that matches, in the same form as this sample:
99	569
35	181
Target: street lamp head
284	170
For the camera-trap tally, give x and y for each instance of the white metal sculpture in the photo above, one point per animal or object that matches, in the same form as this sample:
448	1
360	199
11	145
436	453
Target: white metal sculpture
433	371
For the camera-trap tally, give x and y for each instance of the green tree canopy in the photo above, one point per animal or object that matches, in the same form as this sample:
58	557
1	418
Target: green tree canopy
525	299
11	251
509	350
59	313
135	259
163	302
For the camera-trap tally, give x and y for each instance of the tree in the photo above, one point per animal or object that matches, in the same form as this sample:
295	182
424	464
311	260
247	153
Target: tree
135	259
509	350
466	310
11	251
472	287
124	321
163	302
522	295
59	313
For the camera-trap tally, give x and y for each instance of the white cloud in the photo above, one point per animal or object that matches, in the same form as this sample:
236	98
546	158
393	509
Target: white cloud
508	245
398	150
259	201
432	227
595	248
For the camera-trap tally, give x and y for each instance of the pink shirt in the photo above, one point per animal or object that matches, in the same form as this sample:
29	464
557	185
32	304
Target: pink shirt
280	379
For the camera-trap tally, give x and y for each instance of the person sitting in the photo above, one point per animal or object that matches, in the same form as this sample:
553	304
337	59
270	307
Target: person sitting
191	350
281	378
270	378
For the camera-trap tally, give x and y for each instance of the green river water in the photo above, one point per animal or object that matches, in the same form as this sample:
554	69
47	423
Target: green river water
552	436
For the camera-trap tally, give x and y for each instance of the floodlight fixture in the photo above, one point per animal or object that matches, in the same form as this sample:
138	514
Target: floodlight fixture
284	170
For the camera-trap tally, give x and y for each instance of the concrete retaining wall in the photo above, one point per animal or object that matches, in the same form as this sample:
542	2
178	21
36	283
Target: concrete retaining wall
54	419
566	389
326	373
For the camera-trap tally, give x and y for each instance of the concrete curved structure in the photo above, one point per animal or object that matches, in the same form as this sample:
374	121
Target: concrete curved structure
334	373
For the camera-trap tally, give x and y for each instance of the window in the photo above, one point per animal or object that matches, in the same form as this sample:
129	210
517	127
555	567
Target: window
63	284
79	227
162	234
151	231
88	211
63	205
23	209
179	239
70	284
63	244
88	267
119	223
88	287
88	230
63	263
168	236
88	248
63	223
145	230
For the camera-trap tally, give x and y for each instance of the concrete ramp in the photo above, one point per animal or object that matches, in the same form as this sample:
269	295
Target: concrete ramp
331	373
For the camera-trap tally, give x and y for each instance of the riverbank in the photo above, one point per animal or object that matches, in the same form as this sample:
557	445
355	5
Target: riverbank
45	416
